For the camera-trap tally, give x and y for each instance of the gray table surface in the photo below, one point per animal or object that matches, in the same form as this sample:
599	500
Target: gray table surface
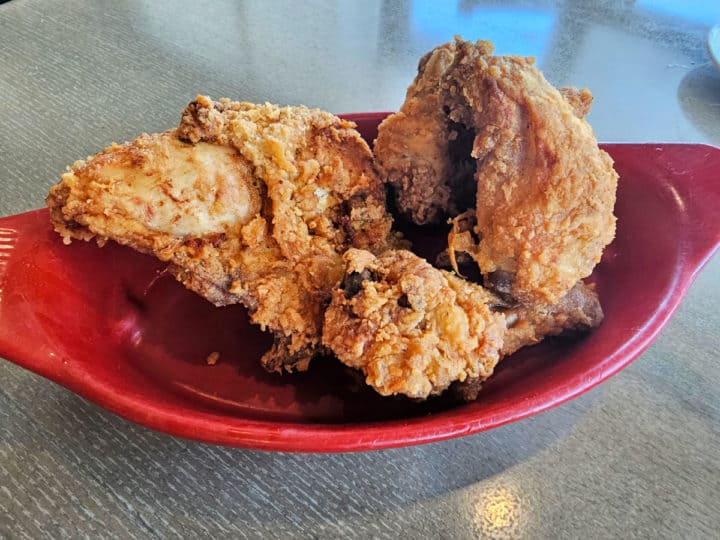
638	456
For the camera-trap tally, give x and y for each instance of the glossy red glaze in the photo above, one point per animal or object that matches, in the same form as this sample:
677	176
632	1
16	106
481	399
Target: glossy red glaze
107	324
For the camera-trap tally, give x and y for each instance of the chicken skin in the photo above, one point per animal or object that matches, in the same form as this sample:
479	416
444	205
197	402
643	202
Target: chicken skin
246	203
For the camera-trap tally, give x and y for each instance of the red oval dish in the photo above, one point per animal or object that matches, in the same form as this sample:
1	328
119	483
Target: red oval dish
108	325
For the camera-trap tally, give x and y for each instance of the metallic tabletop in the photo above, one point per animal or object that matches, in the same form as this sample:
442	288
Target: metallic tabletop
638	456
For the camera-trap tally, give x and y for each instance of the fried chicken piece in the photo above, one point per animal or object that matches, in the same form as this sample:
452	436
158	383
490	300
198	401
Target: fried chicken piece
425	155
577	312
247	203
412	146
544	190
413	329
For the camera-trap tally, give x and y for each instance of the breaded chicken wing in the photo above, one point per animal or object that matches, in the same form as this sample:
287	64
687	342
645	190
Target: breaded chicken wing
414	330
247	203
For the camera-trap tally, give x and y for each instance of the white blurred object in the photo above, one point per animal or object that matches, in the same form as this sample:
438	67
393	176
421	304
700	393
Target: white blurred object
713	44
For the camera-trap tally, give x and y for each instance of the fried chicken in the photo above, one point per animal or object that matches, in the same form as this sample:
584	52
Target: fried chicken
412	146
411	329
247	203
544	191
414	330
577	312
282	210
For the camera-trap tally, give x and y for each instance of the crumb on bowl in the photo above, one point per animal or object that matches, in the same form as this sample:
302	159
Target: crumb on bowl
213	358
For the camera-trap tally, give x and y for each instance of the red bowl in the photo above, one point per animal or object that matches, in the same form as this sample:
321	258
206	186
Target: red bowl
108	325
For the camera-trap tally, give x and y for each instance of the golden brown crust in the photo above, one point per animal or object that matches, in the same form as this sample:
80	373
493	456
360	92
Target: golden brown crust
257	204
544	190
580	99
577	312
300	188
414	330
411	329
411	149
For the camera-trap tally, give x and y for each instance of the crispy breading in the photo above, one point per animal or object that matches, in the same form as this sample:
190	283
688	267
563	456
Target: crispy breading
282	209
580	99
411	329
501	140
545	190
412	145
414	330
247	203
577	312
